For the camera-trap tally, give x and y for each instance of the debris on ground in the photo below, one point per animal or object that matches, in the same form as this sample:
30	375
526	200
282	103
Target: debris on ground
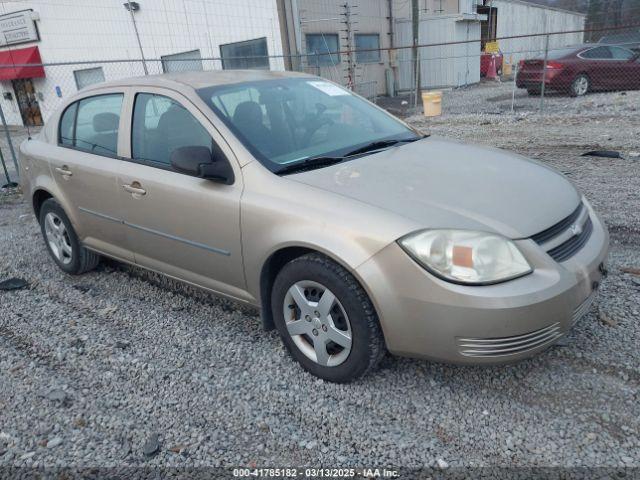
602	153
152	445
604	318
107	310
200	371
13	284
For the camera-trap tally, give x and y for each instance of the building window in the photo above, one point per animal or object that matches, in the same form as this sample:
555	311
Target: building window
250	54
322	49
366	41
182	62
88	76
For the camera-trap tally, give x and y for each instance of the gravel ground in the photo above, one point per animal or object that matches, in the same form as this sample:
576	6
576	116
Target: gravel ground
92	368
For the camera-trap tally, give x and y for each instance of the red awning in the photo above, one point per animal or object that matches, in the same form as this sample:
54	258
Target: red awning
10	61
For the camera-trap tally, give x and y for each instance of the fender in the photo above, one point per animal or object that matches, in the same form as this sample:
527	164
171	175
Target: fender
36	174
337	226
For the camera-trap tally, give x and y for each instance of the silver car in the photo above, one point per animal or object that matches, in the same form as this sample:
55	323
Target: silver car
354	233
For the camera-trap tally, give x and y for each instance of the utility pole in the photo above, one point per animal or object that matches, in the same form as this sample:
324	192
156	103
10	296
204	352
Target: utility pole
349	43
131	8
297	33
392	52
415	21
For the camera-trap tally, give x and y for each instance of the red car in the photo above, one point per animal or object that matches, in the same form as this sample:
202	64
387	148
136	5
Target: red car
579	70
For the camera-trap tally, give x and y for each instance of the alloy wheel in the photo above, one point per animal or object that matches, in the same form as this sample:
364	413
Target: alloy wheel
317	323
581	85
58	238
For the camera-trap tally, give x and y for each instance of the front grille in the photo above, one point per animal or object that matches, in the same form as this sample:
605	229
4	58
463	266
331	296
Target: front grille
569	248
558	228
505	346
564	239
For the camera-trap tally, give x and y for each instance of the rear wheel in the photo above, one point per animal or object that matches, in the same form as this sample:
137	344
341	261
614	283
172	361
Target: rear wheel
326	319
534	91
62	241
580	86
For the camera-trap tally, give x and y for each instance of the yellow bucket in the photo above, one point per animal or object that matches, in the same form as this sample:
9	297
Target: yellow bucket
507	67
432	102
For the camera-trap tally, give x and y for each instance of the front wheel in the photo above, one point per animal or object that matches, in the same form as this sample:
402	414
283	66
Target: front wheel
580	86
62	241
326	319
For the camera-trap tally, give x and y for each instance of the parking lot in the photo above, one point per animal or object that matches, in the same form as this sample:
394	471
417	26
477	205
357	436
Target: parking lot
94	367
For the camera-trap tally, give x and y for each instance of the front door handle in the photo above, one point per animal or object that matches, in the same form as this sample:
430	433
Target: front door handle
64	171
135	189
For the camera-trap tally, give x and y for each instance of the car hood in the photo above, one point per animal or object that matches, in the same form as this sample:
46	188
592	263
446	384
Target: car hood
440	183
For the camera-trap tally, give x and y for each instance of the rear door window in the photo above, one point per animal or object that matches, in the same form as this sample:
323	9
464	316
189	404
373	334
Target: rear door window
91	124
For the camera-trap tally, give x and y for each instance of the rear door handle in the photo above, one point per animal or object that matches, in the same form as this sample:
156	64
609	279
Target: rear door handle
135	188
64	171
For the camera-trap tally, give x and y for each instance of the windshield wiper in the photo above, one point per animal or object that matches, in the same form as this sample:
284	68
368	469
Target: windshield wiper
309	164
321	161
370	147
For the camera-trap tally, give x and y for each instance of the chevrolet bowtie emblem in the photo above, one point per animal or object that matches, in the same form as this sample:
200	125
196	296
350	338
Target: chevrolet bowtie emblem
576	229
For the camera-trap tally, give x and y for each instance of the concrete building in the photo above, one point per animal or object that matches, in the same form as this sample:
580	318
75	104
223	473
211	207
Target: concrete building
173	34
314	27
517	17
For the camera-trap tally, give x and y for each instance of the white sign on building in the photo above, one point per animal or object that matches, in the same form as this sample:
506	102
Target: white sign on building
18	27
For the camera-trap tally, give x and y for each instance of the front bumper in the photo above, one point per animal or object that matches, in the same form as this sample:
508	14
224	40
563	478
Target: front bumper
423	316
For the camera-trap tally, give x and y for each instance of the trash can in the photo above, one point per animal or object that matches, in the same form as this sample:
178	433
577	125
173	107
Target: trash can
432	102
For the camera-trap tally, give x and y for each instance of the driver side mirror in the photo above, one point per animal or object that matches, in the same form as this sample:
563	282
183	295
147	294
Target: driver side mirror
198	161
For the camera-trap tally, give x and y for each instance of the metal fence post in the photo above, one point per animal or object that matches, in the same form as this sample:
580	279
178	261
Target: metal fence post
6	131
417	83
9	183
544	71
513	92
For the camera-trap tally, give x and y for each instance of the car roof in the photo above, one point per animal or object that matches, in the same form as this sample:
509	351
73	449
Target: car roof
200	79
584	46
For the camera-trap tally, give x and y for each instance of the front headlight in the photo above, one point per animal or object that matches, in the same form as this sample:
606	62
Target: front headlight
464	256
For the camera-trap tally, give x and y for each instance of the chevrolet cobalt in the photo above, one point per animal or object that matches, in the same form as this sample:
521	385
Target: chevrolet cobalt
354	233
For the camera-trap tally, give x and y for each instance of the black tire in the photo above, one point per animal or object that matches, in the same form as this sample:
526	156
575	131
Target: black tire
81	259
577	88
534	91
367	347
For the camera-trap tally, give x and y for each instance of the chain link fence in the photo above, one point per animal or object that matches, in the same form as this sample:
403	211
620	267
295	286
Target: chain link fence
551	73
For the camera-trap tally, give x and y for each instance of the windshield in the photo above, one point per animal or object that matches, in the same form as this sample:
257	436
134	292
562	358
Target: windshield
289	120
